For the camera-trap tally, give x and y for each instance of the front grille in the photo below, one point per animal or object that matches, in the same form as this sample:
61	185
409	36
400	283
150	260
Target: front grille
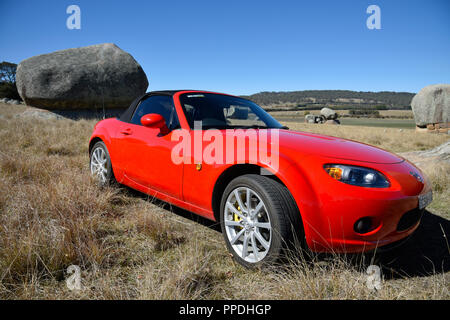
409	219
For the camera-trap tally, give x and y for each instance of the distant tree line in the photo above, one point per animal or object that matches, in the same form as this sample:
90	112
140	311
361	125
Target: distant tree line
8	87
383	100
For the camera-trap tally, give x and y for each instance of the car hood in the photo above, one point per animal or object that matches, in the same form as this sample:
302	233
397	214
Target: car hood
332	147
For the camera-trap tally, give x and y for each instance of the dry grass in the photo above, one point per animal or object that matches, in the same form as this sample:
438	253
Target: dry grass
52	215
394	140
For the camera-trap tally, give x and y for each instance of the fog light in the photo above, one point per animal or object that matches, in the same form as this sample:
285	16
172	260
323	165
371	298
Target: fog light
363	225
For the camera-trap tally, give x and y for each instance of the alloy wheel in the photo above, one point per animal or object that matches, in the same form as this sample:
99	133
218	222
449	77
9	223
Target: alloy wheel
247	224
99	164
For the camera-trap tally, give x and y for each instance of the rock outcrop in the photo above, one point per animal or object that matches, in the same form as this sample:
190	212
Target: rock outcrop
90	77
327	116
431	107
436	155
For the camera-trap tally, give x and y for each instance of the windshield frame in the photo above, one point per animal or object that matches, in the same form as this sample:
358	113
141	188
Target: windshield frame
264	116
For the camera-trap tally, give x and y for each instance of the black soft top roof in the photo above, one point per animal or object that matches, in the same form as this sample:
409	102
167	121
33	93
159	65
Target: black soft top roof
126	116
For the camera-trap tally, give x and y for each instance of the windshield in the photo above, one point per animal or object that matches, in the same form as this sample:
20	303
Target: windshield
218	111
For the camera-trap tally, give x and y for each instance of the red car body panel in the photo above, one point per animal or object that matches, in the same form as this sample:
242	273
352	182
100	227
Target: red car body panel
141	159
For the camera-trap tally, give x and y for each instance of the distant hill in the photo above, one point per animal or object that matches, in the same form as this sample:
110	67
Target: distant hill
337	98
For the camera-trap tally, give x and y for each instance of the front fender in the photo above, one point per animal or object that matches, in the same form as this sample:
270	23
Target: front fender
295	177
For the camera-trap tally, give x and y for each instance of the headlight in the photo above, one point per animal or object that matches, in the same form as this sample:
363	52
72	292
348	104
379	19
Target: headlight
357	176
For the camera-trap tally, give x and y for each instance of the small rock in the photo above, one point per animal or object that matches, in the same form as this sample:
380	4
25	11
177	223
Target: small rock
310	118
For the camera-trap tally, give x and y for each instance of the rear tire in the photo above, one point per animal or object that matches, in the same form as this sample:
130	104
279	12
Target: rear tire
259	220
100	164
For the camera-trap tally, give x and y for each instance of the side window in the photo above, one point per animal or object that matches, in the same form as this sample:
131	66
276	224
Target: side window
162	105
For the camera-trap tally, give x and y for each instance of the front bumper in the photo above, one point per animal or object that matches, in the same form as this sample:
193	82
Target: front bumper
386	232
394	211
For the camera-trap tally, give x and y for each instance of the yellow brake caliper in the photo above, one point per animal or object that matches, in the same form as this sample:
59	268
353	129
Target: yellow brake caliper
236	217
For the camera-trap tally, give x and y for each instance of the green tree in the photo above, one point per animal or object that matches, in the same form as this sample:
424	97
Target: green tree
8	87
8	72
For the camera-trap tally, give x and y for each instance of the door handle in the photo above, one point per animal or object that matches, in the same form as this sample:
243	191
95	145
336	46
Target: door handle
126	131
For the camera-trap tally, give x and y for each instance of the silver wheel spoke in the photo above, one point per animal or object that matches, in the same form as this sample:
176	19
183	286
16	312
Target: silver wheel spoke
245	246
264	225
261	240
235	211
254	246
237	236
239	200
257	209
233	223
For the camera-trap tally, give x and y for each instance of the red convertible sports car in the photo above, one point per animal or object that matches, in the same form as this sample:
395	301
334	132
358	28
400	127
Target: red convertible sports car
223	157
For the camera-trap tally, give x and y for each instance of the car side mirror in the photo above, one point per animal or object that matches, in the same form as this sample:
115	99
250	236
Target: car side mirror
154	120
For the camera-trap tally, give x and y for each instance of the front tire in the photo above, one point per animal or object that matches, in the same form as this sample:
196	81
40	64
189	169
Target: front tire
257	218
100	164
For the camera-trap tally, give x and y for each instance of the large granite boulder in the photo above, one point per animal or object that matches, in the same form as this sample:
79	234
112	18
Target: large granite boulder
432	105
81	78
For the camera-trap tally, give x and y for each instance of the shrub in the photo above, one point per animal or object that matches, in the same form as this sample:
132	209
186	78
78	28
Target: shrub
9	90
364	113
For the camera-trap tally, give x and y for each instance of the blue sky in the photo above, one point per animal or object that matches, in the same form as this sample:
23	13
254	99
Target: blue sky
243	47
